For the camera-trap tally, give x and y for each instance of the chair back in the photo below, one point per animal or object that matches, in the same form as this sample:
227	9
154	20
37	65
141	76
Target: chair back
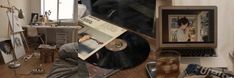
32	32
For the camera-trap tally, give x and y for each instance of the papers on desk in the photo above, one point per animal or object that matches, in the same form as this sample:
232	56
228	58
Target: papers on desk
99	30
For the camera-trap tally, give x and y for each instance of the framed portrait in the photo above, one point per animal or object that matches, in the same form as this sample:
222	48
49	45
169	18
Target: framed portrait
173	26
187	26
14	22
18	45
34	18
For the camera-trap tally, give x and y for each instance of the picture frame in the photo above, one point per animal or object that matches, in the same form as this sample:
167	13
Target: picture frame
14	22
6	51
17	44
34	18
197	24
173	26
207	26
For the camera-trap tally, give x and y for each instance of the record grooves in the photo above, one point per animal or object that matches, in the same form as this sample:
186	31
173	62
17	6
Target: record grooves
128	50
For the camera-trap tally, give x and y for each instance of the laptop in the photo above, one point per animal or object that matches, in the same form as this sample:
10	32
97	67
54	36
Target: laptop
192	31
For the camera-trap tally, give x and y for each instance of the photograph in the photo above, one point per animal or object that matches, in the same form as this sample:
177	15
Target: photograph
188	28
34	18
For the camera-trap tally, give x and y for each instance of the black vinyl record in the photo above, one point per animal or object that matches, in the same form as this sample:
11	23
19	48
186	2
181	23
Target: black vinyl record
128	50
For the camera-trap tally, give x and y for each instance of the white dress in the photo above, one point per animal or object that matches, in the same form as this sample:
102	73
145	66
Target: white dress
181	36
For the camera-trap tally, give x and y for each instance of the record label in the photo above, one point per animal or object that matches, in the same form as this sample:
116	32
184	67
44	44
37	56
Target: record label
116	45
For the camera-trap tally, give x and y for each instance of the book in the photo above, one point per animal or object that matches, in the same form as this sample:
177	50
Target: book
99	30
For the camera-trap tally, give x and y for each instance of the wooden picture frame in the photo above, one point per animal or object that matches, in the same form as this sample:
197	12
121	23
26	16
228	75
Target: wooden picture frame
173	26
34	18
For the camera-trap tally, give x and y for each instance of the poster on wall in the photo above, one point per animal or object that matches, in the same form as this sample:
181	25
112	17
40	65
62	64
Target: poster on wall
14	22
188	27
18	45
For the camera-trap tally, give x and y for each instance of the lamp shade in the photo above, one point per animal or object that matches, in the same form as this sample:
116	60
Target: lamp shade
20	15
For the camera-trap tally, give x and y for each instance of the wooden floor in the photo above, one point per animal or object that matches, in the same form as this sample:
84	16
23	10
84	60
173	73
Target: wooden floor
25	70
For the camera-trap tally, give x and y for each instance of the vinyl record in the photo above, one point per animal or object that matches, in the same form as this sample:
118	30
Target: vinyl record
126	51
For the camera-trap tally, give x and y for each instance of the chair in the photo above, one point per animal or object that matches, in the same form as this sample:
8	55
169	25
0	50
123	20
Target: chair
33	36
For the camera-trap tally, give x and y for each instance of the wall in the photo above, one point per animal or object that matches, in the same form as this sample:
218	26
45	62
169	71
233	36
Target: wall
22	4
225	26
162	3
35	6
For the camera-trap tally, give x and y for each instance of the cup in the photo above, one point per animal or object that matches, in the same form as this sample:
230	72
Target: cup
168	64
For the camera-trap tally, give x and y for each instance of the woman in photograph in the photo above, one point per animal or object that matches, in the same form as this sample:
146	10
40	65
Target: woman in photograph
183	32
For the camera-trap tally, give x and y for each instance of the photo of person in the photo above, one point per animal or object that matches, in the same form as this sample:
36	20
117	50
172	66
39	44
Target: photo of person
183	32
182	28
188	28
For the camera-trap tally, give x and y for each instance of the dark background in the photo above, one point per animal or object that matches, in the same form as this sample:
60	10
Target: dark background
136	15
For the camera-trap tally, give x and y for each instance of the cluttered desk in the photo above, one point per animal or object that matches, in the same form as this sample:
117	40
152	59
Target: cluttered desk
111	56
187	42
198	49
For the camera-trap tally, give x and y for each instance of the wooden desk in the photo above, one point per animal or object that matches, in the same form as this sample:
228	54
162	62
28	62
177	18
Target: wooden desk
58	35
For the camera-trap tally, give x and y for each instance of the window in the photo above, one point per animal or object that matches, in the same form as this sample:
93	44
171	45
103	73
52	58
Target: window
60	9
